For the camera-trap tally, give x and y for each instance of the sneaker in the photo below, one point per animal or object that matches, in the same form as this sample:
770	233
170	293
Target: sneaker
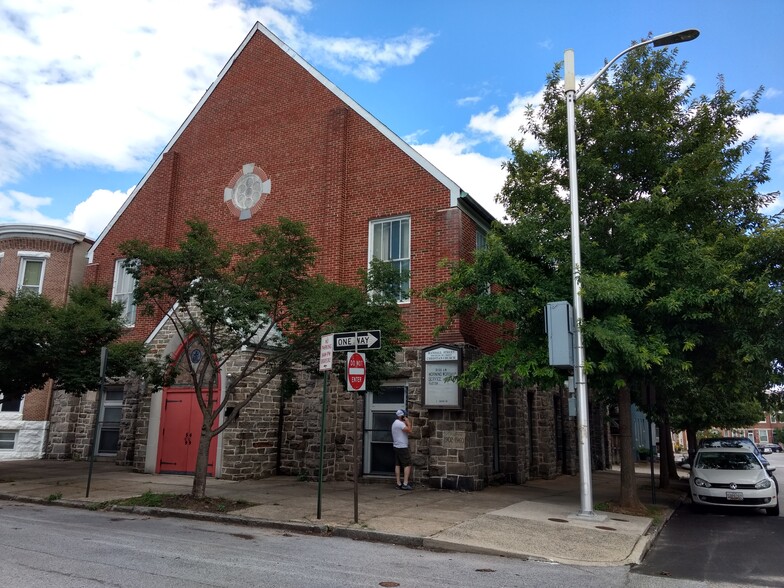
399	486
406	487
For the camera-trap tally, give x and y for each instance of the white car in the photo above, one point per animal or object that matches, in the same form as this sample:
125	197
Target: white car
722	476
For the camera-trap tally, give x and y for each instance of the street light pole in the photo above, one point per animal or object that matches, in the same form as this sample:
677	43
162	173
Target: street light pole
580	381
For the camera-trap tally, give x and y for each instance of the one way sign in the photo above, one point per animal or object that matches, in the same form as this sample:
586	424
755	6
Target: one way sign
357	341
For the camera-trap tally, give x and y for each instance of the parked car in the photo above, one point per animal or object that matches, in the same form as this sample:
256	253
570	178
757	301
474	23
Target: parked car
769	448
729	476
738	442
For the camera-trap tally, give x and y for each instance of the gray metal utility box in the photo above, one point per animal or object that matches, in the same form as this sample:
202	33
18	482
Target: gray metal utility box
559	324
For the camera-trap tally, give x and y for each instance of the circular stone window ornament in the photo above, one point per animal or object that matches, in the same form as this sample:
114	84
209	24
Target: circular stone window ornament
247	191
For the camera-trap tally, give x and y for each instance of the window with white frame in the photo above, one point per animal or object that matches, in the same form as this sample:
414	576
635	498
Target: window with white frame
481	239
763	435
109	420
10	405
7	440
390	241
774	417
31	271
122	291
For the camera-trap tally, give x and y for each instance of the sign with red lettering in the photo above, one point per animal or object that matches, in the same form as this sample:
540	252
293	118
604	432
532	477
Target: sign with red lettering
355	371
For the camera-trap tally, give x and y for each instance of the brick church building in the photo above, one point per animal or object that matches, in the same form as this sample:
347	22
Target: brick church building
272	137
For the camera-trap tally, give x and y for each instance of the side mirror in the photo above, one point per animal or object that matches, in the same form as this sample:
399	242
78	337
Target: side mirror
770	470
686	465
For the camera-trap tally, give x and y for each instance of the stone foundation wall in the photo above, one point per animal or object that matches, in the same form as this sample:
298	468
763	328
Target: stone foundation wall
502	434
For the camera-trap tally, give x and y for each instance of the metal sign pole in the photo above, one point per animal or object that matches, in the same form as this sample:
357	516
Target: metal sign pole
104	355
321	450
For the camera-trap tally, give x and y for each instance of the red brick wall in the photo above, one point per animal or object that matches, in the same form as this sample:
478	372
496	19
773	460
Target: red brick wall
57	269
328	166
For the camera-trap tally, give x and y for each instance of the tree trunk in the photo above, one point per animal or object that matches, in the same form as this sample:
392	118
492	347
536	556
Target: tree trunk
202	461
672	466
629	497
691	439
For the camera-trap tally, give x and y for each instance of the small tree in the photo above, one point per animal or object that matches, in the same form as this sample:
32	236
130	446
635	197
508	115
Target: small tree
40	341
256	306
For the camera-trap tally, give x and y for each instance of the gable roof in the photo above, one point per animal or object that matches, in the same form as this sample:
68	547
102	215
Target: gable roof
458	197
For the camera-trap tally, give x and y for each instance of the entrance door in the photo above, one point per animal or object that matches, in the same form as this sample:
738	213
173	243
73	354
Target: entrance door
380	408
180	433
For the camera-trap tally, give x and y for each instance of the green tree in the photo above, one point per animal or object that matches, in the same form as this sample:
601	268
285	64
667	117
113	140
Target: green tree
40	341
681	273
259	308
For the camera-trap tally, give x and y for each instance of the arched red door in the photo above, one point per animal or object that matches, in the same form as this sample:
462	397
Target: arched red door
181	423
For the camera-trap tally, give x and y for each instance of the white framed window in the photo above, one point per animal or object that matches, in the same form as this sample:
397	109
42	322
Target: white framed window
11	405
390	240
481	239
7	440
122	291
763	436
32	265
774	417
109	421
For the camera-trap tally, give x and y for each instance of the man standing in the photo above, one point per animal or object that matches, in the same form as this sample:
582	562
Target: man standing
400	430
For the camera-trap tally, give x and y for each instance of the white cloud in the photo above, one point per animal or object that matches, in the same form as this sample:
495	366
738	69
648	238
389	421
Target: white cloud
468	100
482	177
91	83
92	215
503	127
89	216
768	127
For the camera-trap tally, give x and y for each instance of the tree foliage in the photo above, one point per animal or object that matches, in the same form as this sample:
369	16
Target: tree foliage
40	341
259	309
681	272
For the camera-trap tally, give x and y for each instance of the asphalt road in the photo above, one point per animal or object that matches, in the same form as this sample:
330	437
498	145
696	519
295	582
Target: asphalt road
52	546
738	547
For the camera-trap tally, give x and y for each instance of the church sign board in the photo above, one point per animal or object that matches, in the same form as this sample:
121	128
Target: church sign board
442	363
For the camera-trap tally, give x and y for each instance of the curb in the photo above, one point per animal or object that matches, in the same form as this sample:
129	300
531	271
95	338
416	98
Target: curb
323	530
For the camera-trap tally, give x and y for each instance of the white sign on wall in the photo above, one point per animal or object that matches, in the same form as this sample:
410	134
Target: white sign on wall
442	364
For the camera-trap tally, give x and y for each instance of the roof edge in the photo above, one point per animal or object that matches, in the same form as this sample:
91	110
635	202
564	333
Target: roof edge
455	192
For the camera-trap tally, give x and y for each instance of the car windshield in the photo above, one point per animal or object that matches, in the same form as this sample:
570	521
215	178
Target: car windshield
718	460
738	443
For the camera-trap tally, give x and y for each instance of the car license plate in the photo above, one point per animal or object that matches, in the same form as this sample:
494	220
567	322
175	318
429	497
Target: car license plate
734	495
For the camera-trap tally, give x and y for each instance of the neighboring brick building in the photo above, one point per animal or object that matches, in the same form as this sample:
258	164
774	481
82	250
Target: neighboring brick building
272	137
47	261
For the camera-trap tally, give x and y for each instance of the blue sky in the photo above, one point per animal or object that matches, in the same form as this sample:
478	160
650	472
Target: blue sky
91	90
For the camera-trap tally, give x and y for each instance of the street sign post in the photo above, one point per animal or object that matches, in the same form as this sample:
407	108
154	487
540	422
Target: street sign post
355	371
325	362
357	340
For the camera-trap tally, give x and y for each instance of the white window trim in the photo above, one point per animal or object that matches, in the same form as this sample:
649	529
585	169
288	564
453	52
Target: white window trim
372	224
34	254
9	413
16	438
24	256
104	405
118	267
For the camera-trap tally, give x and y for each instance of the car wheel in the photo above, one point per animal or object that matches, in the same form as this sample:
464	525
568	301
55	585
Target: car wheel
774	511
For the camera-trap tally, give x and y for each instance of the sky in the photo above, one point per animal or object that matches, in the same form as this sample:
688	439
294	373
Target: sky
91	91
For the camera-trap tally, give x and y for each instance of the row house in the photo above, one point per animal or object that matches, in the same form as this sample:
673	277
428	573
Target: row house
273	137
46	261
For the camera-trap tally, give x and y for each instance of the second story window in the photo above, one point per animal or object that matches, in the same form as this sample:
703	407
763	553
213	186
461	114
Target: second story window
122	291
390	240
31	271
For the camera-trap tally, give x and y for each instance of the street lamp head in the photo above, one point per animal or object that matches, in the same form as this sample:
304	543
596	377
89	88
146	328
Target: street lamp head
673	38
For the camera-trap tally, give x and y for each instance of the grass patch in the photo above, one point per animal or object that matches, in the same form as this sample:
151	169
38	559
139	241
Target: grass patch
54	497
184	502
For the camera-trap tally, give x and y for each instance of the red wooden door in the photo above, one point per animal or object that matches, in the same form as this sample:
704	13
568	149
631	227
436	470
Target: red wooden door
180	431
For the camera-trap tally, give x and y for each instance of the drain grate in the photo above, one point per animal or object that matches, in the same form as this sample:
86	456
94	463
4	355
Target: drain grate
603	528
558	520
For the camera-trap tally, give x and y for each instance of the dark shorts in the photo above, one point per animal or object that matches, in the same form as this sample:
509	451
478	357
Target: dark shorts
402	456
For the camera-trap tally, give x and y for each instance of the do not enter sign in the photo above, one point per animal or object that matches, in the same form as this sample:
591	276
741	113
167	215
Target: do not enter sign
355	368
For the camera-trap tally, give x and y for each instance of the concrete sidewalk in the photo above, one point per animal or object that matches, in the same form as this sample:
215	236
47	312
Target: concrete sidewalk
536	520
